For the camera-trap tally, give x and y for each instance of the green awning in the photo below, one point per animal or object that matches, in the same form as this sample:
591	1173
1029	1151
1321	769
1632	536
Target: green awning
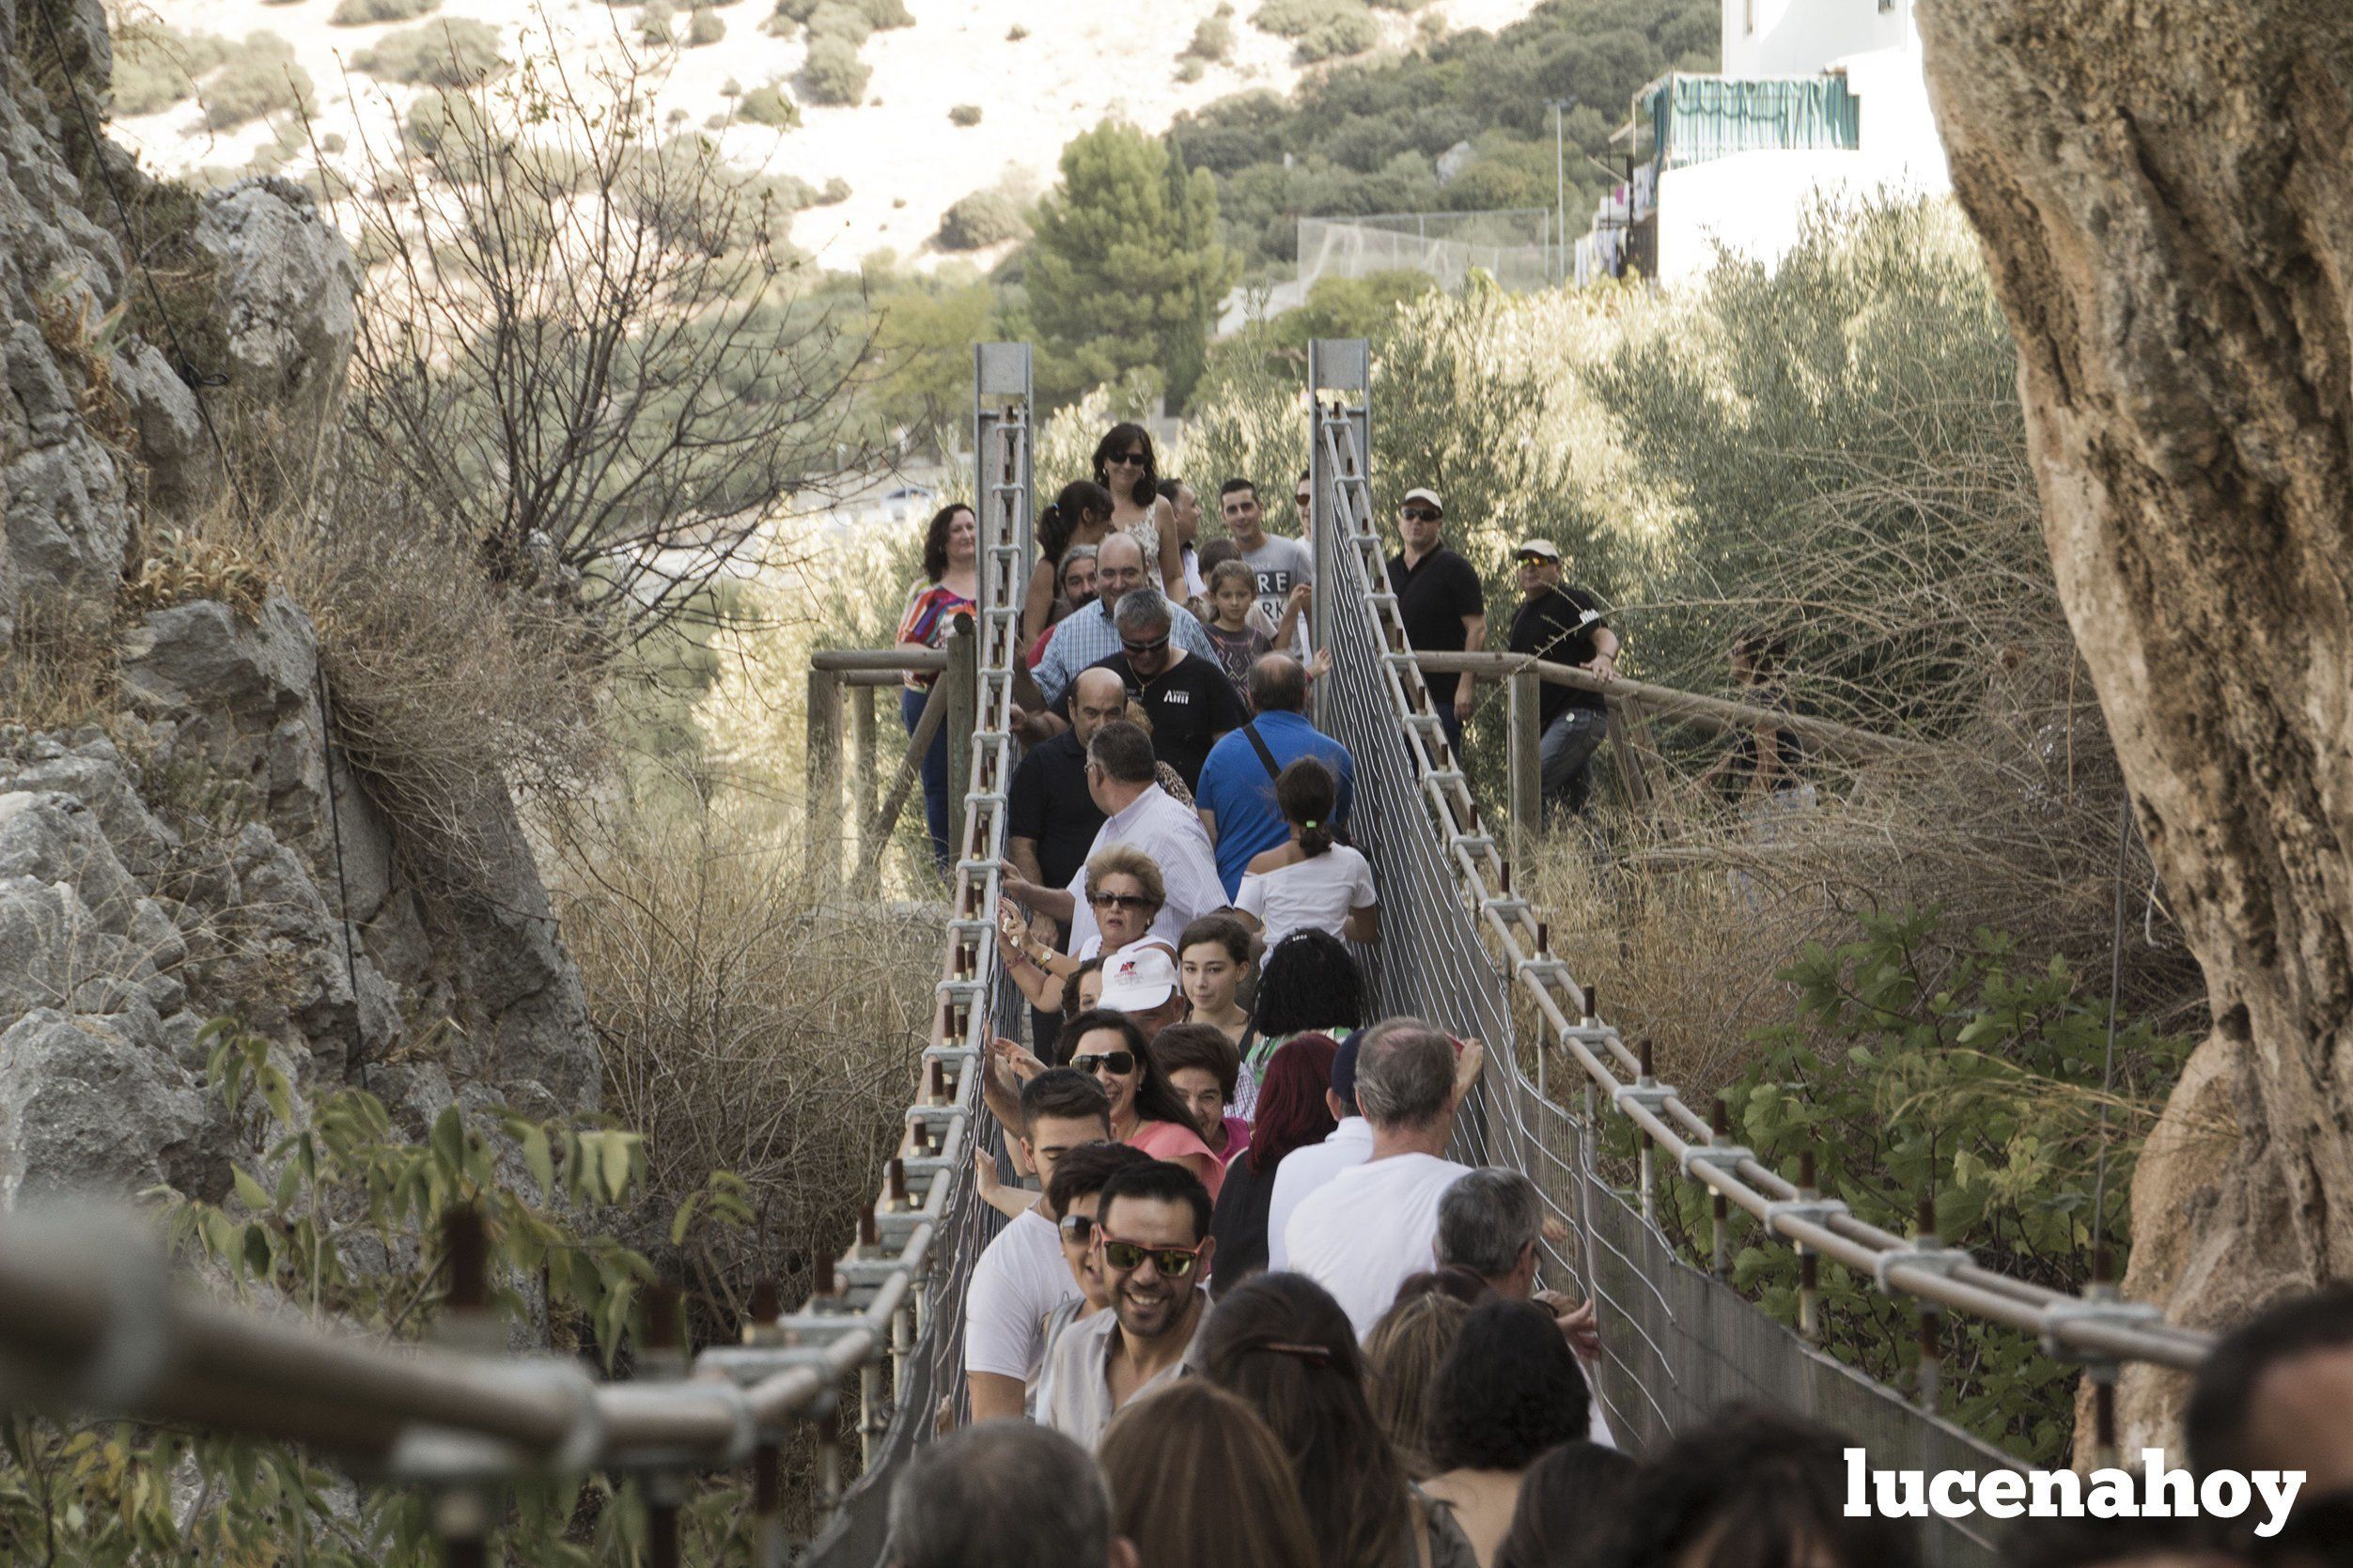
1695	118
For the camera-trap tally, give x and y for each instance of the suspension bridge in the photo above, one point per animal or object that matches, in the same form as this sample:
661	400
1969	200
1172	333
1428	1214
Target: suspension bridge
869	1367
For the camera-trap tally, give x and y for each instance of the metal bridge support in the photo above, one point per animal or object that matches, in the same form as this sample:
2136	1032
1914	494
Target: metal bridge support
1342	368
1001	459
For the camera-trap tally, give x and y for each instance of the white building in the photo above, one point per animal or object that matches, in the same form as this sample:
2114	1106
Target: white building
1817	99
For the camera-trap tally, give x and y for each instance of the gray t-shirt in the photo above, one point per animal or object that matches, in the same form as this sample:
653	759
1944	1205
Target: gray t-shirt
1281	565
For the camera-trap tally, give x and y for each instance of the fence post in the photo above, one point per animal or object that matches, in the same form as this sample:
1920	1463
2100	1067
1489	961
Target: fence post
865	780
823	810
1527	771
964	697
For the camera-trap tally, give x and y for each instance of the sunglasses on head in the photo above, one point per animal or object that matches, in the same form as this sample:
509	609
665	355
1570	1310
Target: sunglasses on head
1118	900
1173	1262
1153	647
1119	1063
1419	514
1078	1229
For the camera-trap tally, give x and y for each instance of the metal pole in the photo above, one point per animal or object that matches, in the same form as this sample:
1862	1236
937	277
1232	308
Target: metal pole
963	678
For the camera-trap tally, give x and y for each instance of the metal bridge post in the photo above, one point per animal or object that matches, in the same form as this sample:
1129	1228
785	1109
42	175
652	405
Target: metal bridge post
1342	367
1000	455
962	677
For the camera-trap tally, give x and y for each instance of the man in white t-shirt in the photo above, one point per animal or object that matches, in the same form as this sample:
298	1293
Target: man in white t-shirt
1363	1231
1021	1276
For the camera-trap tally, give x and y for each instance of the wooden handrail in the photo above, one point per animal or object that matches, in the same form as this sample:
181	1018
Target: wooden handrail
1717	715
877	658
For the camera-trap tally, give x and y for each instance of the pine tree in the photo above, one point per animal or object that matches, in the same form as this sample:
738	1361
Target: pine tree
1126	270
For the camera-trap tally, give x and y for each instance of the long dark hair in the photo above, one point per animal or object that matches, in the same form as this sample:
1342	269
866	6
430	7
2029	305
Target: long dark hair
1156	1100
1115	440
1570	1502
935	539
1291	1111
1310	982
1308	795
1064	513
1282	1343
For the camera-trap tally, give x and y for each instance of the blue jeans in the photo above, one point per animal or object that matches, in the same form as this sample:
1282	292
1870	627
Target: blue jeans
935	775
1564	756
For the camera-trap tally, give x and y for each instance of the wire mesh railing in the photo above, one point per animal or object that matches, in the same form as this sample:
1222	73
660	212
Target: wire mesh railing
1679	1342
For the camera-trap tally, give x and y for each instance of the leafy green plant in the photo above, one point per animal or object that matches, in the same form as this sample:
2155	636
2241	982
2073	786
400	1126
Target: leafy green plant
1212	36
833	73
835	20
344	1218
768	106
705	27
964	115
982	219
156	66
361	13
1319	29
457	53
1971	1080
259	78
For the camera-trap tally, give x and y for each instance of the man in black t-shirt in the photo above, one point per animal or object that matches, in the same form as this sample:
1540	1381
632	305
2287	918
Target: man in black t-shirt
1051	818
1188	702
1563	626
1441	601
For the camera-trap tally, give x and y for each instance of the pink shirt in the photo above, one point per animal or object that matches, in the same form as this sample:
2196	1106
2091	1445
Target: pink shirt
1171	1140
1237	1138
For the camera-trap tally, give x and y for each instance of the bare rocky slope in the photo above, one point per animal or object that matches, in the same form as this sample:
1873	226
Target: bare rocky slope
193	846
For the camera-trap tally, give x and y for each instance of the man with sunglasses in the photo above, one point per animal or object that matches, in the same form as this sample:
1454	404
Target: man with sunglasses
1563	626
1152	1236
1441	602
1090	635
1021	1278
1187	702
1076	1194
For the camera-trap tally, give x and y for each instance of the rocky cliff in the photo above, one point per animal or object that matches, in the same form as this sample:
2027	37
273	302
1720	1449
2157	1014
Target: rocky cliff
180	837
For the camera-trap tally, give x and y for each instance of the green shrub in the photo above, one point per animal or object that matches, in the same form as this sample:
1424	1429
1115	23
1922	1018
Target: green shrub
964	114
363	13
456	52
1212	37
1016	33
704	28
156	66
442	123
1190	69
770	106
833	73
260	78
653	24
837	192
886	14
982	219
796	12
1299	19
1343	33
834	20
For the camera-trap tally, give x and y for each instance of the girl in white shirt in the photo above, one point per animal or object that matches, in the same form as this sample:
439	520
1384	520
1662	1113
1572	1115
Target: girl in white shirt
1310	881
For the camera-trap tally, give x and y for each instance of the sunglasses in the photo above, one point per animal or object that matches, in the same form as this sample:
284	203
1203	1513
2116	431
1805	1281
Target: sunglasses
1119	1063
1153	647
1173	1262
1119	901
1134	459
1419	514
1078	1229
1532	560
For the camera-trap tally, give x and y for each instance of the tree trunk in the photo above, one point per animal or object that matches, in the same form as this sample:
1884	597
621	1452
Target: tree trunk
2165	192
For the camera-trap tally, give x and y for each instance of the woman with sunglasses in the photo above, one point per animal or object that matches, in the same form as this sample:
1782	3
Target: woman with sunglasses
1124	888
1079	515
1146	1111
951	550
1125	466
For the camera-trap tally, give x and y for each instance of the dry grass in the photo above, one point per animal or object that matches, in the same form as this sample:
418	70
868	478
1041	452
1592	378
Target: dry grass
750	1017
59	668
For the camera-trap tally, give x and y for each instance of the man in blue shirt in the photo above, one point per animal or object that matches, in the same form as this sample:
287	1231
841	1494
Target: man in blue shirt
1236	795
1088	635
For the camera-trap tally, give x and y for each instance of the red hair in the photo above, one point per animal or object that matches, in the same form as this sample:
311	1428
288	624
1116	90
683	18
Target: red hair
1291	1112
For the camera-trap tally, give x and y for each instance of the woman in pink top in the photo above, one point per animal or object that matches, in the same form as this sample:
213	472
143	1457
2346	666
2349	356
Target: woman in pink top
1146	1113
1200	1064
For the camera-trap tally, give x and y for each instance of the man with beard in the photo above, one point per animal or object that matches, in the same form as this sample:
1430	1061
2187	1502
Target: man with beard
1152	1238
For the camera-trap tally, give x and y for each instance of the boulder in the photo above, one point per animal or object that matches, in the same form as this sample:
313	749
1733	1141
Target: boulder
287	284
98	1105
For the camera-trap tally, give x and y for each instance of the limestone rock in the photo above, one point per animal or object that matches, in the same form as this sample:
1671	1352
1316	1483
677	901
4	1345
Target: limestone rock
92	1105
287	286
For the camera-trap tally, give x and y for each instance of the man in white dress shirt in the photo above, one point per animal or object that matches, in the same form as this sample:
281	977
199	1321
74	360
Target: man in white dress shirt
1122	777
1305	1170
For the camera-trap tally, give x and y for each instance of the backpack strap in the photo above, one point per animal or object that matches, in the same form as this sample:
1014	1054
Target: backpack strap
1258	744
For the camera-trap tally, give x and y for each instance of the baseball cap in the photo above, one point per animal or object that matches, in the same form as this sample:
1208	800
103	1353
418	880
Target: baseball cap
1544	547
1344	1068
1421	494
1138	979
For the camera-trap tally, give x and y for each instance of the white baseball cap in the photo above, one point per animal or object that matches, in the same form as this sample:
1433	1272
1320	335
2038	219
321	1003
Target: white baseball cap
1423	494
1138	979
